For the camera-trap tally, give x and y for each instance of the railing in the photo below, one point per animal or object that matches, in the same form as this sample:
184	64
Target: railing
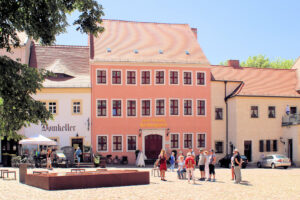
291	119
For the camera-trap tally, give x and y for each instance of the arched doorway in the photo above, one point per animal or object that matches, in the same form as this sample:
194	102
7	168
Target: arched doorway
153	146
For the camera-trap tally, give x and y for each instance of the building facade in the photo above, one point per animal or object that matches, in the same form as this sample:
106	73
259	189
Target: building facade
150	90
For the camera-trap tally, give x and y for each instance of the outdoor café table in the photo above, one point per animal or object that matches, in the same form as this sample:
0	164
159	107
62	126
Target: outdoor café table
40	172
1	172
78	170
9	172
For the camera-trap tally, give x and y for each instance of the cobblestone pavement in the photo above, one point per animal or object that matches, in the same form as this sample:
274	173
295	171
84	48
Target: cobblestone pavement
257	184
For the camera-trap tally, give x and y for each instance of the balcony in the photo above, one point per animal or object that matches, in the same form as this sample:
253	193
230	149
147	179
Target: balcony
292	119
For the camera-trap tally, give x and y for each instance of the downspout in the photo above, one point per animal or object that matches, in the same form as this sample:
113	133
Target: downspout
225	91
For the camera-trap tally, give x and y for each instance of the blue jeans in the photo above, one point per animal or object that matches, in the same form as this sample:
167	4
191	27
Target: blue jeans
172	166
180	173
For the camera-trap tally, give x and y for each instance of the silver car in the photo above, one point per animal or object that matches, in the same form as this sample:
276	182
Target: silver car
274	160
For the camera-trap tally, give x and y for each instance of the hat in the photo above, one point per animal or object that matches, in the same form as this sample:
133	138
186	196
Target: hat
236	150
188	154
201	149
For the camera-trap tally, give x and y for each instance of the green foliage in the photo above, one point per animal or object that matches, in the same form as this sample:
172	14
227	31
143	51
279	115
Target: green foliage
261	61
18	83
44	19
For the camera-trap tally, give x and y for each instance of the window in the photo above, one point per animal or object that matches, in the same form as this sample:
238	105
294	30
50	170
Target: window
200	107
188	107
52	107
146	77
200	78
219	147
76	107
174	107
116	77
293	110
146	107
117	108
219	113
188	141
187	78
101	76
268	145
201	140
131	77
174	141
44	104
261	146
160	77
274	145
117	143
131	108
102	143
271	111
101	108
174	78
254	111
131	143
160	107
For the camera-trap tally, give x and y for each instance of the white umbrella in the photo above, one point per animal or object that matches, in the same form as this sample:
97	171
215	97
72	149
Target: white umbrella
38	140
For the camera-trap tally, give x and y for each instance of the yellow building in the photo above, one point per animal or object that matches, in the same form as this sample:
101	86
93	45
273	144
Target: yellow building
249	111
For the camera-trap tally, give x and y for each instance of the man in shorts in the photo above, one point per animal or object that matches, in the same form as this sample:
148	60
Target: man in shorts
201	164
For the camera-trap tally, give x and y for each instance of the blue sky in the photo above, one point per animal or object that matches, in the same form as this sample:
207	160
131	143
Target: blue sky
227	29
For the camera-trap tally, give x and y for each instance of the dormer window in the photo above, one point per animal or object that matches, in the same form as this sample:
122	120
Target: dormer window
136	51
108	50
187	52
160	51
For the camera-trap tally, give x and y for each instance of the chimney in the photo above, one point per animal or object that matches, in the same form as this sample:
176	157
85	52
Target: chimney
91	45
194	30
233	63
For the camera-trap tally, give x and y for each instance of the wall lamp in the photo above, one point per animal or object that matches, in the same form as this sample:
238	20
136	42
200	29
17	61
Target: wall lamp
77	135
282	140
168	131
140	132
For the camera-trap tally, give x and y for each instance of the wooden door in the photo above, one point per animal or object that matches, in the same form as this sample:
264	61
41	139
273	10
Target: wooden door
248	150
153	146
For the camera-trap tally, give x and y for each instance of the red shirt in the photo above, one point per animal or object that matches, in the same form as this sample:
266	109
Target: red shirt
190	162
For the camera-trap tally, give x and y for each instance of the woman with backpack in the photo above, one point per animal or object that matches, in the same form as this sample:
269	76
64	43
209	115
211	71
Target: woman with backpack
163	164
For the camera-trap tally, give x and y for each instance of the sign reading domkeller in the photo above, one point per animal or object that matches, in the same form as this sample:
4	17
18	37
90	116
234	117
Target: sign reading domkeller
58	127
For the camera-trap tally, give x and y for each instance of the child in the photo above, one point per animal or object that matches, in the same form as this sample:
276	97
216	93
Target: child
172	161
181	167
190	165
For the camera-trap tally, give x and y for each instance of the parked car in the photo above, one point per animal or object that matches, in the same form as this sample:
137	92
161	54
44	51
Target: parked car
226	161
274	160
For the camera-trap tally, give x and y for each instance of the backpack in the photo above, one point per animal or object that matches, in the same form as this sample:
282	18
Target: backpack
190	164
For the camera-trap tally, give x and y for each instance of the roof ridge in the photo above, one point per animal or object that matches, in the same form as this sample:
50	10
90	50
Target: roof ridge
145	22
63	46
254	68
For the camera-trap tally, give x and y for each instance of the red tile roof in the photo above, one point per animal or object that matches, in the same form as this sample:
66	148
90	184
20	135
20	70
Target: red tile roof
70	60
123	37
258	81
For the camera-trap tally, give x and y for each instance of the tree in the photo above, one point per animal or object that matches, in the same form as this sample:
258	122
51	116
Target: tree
42	20
261	61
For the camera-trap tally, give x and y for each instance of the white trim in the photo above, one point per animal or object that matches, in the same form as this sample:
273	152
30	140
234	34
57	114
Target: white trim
192	140
136	108
135	141
146	70
178	140
136	79
112	143
192	108
178	107
204	107
112	107
107	106
158	70
191	78
107	143
146	132
177	77
111	76
165	105
204	78
106	71
141	110
204	141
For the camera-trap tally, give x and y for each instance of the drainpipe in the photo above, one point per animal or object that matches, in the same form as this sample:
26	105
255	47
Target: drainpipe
225	90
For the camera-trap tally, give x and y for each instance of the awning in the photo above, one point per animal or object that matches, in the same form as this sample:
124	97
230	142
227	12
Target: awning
38	140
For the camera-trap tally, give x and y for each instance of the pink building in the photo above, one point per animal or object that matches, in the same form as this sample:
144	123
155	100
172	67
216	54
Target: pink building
150	89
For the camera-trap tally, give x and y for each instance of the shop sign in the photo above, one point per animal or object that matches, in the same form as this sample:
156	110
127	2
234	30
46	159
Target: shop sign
154	123
59	128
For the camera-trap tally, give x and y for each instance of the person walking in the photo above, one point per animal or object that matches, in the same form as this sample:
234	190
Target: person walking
201	164
190	166
163	164
172	161
181	167
206	167
237	166
212	162
77	154
49	154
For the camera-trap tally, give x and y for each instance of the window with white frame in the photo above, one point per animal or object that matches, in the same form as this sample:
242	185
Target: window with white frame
52	107
160	77
188	107
76	107
201	140
200	78
131	143
200	107
146	107
131	108
145	77
174	107
160	107
188	140
116	77
101	76
102	143
174	77
131	77
117	108
117	143
101	108
187	78
174	140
